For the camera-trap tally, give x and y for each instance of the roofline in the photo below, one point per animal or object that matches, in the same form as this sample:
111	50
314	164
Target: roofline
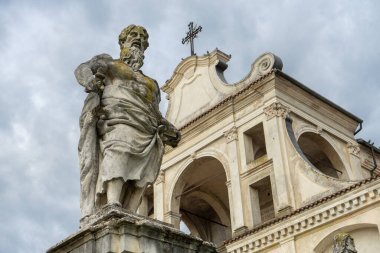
368	145
317	95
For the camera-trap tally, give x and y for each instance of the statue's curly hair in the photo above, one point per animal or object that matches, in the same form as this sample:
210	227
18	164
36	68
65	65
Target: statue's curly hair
124	33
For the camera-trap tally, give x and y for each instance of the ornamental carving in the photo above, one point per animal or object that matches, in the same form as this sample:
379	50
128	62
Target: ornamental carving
344	243
265	64
353	148
231	134
276	110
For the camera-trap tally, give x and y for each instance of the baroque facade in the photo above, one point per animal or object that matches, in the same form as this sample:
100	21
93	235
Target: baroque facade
265	164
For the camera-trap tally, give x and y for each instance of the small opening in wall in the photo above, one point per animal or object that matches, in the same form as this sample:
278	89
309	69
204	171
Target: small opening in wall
262	201
254	141
184	228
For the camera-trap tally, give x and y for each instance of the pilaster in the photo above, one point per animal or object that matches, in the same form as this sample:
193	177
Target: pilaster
354	156
159	196
274	129
237	222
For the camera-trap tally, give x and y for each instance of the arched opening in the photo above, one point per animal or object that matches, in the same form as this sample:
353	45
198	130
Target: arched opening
322	155
201	197
366	239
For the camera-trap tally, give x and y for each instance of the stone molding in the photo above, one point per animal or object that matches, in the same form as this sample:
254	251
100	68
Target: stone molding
353	149
306	221
276	109
231	134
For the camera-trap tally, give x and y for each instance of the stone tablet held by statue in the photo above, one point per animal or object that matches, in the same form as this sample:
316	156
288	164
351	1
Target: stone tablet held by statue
122	130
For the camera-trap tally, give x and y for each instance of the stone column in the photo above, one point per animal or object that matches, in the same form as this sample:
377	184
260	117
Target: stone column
237	221
274	129
159	196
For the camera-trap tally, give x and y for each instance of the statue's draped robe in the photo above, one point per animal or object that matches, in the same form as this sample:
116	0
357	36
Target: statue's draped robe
119	137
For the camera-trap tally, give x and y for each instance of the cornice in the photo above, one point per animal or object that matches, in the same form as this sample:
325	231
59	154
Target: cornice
353	198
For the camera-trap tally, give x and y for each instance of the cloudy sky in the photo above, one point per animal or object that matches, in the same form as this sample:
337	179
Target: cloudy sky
330	46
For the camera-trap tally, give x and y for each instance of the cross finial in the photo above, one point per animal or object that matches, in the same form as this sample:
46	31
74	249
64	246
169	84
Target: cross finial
191	35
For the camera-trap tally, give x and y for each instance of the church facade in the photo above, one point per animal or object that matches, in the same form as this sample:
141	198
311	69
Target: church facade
265	164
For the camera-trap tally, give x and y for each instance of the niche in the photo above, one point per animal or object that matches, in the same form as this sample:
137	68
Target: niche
254	142
322	155
262	201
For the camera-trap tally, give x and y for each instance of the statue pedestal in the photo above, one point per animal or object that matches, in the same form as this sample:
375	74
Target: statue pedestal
114	230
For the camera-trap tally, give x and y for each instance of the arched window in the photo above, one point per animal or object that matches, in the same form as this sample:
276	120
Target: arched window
322	155
202	200
366	238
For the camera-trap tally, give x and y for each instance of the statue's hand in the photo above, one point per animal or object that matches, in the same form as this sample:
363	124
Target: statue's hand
97	82
169	135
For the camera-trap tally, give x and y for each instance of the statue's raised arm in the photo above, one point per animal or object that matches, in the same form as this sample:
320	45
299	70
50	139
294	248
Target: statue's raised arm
122	131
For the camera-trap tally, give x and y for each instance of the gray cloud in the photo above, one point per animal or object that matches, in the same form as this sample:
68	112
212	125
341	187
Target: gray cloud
332	47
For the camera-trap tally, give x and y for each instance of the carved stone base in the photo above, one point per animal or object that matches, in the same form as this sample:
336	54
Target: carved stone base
114	230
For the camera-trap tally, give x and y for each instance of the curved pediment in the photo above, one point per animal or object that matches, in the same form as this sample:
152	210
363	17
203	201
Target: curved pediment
198	84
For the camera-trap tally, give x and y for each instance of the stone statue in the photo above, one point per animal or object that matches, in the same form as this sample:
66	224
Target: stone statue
344	243
122	130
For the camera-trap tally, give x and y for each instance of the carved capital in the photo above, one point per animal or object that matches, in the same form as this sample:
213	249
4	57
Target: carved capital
276	110
231	134
161	177
353	148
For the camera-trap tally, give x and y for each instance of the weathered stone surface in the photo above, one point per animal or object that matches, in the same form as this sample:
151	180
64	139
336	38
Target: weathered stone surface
114	230
122	130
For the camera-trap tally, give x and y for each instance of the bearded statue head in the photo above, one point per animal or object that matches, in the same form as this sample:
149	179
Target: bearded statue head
133	41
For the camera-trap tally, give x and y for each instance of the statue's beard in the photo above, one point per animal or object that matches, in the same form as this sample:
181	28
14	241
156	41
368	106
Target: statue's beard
133	57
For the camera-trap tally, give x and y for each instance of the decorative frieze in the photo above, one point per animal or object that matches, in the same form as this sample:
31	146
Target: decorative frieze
276	109
231	134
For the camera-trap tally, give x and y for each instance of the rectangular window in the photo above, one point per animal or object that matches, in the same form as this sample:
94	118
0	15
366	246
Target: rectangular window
262	201
254	142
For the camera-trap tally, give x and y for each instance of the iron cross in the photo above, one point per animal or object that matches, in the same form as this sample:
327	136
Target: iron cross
191	35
